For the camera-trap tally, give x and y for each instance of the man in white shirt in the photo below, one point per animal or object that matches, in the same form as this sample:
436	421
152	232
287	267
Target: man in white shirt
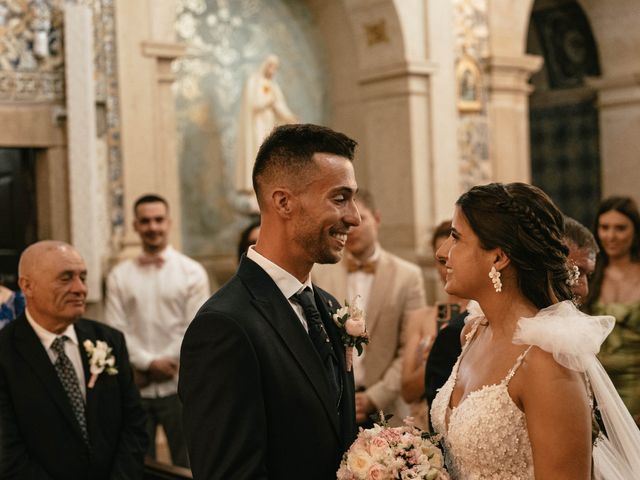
389	288
152	299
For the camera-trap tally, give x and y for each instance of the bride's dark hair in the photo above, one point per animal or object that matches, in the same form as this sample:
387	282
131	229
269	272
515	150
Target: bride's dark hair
524	222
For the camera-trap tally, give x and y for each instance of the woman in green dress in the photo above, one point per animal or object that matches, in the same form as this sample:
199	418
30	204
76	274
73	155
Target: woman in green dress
615	290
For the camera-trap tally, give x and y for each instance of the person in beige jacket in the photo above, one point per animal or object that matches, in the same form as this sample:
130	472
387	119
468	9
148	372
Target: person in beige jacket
388	288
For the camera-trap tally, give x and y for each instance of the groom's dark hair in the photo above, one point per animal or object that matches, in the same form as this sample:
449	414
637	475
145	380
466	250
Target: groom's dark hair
289	150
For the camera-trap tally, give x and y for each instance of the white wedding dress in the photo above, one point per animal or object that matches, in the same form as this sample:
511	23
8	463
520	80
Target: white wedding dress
485	436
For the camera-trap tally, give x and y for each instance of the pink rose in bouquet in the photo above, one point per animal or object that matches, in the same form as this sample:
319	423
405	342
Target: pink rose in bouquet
399	453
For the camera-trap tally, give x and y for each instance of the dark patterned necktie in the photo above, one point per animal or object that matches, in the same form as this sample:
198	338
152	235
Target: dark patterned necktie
69	379
319	336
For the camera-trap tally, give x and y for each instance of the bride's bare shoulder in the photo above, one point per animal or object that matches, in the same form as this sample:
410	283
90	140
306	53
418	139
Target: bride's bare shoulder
542	374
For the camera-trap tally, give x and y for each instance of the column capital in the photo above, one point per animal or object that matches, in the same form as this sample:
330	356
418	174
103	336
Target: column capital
396	70
511	74
163	50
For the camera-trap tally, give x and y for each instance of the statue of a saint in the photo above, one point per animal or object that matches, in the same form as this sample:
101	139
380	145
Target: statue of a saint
262	108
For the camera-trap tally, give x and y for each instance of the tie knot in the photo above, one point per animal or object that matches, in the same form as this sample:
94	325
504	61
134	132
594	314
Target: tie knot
304	298
58	344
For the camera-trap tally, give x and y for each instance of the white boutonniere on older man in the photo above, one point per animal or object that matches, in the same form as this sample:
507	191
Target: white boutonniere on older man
350	319
100	359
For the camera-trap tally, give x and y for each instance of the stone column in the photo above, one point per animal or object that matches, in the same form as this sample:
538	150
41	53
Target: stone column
146	48
619	106
81	128
509	116
398	162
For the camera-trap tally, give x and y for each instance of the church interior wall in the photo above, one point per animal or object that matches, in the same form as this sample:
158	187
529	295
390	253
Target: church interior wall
383	72
614	26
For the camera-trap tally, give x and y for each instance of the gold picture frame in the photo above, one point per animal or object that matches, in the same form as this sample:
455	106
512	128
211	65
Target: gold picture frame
468	83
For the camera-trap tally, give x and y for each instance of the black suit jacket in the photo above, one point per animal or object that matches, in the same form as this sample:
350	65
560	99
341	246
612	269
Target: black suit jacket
257	401
444	353
40	437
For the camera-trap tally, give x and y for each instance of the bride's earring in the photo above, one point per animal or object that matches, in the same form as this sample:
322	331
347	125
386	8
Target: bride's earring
494	275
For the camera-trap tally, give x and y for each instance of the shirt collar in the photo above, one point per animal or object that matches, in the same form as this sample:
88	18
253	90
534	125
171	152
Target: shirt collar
46	337
165	253
286	283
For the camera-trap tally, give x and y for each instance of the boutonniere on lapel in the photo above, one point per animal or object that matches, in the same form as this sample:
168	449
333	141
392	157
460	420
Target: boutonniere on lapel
100	359
350	319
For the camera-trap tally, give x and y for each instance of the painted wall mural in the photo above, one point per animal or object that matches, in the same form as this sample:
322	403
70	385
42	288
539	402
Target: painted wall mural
227	41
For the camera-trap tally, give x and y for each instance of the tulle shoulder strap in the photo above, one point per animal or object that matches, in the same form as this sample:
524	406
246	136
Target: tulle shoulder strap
564	331
574	339
516	366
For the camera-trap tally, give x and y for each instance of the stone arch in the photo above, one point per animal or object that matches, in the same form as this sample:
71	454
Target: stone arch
565	155
614	28
383	59
613	25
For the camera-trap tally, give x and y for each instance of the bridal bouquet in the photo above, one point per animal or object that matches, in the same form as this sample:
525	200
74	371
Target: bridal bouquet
398	453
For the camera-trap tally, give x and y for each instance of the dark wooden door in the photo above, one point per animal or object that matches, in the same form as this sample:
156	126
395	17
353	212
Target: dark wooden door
18	220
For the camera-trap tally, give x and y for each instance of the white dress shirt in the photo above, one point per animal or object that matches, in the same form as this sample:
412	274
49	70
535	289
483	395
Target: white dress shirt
71	348
153	306
359	285
286	283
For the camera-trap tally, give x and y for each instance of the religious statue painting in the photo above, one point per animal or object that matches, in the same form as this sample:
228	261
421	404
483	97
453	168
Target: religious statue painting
263	107
468	81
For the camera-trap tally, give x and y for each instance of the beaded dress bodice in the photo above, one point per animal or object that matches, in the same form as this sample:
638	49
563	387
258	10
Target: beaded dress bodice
485	436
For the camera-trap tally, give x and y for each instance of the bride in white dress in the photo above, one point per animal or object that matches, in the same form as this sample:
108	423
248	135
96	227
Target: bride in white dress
519	401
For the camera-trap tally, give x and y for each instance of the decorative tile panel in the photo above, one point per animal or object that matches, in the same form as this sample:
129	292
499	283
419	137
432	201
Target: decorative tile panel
471	31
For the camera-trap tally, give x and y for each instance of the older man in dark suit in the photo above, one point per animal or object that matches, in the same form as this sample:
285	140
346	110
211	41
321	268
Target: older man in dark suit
62	417
263	377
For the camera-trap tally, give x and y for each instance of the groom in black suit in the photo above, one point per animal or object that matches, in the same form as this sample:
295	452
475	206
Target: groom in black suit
56	422
263	378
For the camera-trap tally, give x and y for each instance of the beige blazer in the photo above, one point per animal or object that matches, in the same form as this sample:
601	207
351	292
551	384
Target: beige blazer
397	288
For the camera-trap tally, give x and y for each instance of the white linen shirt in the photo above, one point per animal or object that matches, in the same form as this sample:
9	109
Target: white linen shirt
71	348
153	307
286	283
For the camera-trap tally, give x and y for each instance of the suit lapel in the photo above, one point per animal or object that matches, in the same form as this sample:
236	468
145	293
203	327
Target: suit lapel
327	307
272	305
377	293
30	348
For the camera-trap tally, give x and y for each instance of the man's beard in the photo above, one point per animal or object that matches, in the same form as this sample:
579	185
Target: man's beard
317	246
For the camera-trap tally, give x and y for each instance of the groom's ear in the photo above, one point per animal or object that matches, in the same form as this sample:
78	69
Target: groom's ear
282	200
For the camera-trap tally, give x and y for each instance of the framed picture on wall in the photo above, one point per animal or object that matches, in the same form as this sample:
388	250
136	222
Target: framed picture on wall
468	80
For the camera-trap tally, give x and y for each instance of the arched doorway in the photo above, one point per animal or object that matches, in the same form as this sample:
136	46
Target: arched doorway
563	112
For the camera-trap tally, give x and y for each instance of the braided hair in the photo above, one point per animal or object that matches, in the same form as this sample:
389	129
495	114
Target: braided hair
524	222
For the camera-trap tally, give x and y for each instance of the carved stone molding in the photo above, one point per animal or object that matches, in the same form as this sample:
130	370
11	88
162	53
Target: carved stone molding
618	91
31	86
511	74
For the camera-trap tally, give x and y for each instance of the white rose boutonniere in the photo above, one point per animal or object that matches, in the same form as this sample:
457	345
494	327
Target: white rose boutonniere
350	319
100	359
